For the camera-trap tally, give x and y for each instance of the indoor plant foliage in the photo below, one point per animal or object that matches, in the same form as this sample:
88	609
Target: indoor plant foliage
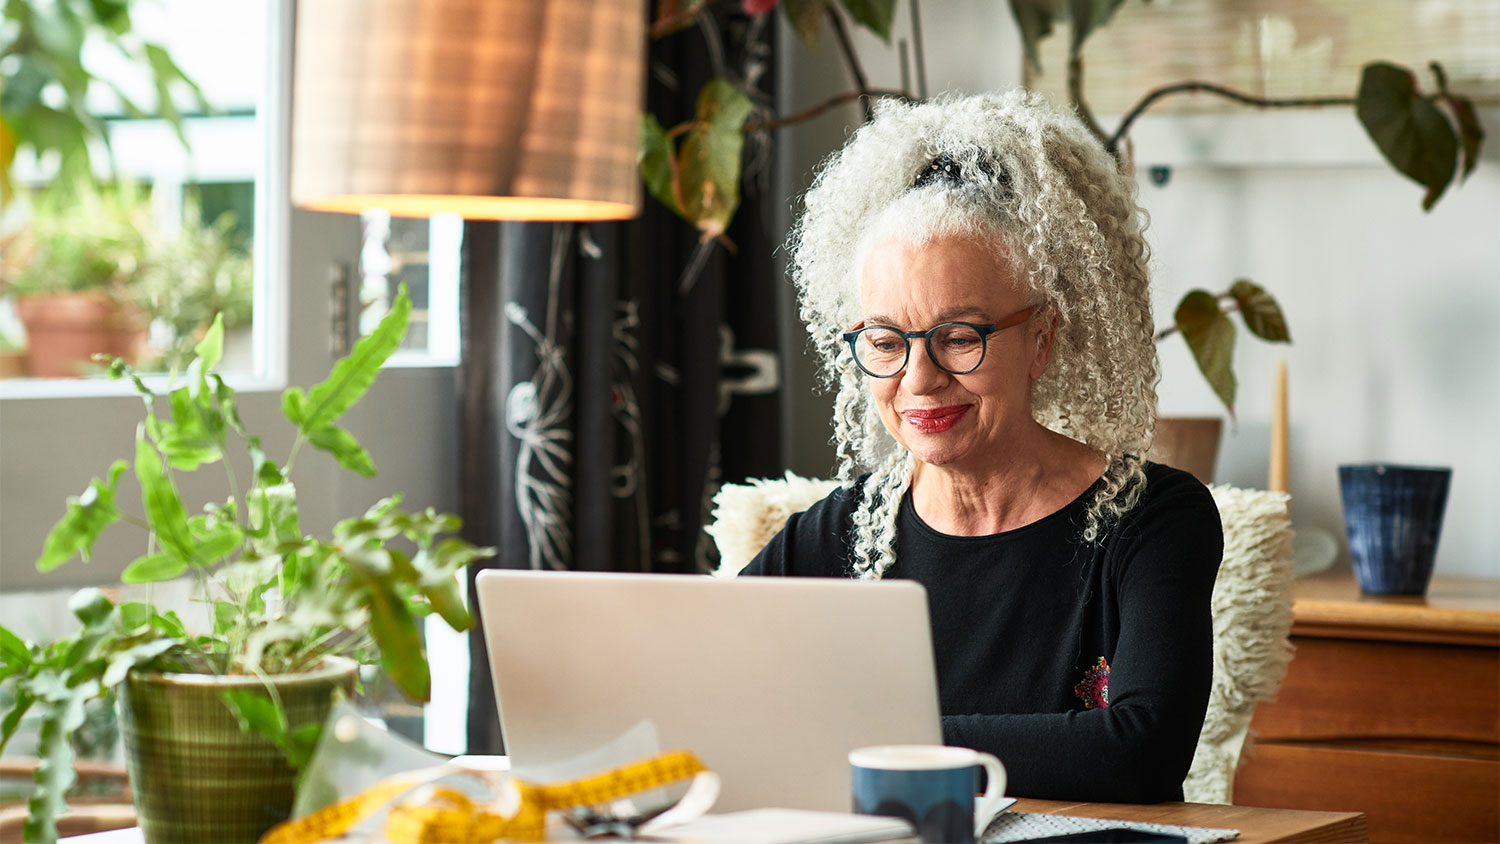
1203	320
278	602
46	82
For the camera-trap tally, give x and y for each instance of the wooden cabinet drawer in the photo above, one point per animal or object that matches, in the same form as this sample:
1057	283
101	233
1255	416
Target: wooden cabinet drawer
1372	690
1406	796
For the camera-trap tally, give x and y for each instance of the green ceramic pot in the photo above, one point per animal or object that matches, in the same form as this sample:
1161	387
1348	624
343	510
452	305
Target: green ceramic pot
194	775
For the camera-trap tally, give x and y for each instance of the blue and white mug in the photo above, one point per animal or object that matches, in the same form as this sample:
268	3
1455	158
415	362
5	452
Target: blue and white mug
931	786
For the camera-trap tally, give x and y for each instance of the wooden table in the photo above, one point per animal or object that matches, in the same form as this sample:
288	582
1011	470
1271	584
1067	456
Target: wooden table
1255	825
1391	707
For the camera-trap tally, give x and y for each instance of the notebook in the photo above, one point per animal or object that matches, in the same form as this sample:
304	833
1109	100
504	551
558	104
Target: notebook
770	681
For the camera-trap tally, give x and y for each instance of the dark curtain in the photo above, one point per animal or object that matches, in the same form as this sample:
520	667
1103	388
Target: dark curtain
616	374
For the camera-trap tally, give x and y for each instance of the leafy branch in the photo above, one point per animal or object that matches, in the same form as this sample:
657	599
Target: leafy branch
1427	137
41	50
1411	129
695	167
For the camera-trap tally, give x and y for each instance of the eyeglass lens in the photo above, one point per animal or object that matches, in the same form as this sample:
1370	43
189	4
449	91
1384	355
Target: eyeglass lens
882	351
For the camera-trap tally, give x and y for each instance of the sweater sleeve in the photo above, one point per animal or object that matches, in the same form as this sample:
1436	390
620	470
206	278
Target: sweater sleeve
1138	748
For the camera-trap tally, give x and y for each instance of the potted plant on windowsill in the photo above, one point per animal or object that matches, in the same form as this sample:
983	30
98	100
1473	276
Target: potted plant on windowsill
189	275
70	272
217	721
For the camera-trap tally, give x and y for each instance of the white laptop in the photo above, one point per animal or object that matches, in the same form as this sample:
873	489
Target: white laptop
770	681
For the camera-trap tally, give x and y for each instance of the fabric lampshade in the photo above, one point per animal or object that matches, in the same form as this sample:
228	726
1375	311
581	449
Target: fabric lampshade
492	109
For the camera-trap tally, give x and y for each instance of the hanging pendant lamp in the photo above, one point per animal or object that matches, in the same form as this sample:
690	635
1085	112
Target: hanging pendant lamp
491	109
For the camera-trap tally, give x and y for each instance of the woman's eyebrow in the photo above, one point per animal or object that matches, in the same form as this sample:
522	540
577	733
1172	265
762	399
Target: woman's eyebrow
949	315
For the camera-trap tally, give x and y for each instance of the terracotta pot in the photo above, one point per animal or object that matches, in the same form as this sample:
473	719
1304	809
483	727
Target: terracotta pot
65	330
13	364
1190	443
195	776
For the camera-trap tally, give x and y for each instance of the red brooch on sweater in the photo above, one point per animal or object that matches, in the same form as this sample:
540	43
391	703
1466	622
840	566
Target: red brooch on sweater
1093	689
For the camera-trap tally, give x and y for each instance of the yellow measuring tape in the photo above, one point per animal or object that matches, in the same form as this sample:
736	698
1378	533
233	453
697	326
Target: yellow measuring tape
448	816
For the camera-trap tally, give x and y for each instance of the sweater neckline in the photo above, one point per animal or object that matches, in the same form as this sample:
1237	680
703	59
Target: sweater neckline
1066	512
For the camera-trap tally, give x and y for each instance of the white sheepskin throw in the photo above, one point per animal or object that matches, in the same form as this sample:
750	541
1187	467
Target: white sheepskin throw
746	516
1252	603
1252	611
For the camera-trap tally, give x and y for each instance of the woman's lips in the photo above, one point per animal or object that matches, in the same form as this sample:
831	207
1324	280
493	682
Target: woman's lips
932	420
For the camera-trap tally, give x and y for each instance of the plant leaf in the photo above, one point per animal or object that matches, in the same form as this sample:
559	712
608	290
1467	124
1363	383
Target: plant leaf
154	568
301	743
1407	128
192	437
657	162
273	513
345	448
351	376
163	506
90	606
210	349
61	717
257	713
18	710
806	18
13	649
216	537
1262	314
1034	19
1210	335
709	161
440	579
121	662
1469	131
875	15
134	614
87	516
1089	15
672	17
400	642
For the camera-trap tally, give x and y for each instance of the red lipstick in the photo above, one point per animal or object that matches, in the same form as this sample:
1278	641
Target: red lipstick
933	420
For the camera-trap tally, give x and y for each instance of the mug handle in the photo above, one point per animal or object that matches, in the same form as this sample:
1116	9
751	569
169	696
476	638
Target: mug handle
994	791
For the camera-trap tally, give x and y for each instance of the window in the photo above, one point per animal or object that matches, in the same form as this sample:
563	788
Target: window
424	254
183	237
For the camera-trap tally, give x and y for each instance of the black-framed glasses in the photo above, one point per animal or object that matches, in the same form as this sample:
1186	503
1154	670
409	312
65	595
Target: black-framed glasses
956	347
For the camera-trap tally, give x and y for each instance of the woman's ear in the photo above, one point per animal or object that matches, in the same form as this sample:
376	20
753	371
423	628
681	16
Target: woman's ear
1042	336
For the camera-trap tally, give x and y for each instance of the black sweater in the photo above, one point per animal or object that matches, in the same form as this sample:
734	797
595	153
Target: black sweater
1084	667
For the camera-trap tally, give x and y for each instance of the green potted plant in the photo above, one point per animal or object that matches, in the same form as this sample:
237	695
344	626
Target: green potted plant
71	274
218	718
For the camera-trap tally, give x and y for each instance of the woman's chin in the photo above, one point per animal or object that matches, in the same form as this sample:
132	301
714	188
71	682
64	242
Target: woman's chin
931	450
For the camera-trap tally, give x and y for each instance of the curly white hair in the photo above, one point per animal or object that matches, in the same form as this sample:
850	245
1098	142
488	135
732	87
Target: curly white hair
1038	186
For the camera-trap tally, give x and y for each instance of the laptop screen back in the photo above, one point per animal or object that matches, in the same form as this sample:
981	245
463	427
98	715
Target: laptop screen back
770	681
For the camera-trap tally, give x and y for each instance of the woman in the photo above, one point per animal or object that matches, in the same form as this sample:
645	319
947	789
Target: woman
973	273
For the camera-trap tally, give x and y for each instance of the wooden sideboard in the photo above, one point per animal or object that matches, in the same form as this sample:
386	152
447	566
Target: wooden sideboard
1391	707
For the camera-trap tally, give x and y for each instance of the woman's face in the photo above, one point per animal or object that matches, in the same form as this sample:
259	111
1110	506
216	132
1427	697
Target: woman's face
957	421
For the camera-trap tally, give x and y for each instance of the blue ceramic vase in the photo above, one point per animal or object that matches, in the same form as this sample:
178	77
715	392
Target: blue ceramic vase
1394	515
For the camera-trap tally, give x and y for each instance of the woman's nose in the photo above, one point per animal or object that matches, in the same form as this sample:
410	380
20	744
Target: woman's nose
922	374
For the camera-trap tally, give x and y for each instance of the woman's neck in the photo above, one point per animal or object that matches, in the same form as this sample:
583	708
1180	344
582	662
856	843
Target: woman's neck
1041	473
